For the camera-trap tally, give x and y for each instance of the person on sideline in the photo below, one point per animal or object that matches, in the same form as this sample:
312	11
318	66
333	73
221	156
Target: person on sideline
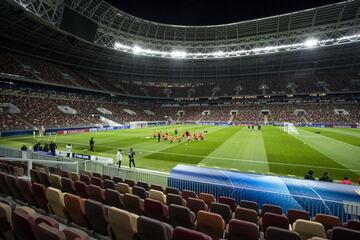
68	150
119	157
91	143
131	155
325	177
309	175
346	181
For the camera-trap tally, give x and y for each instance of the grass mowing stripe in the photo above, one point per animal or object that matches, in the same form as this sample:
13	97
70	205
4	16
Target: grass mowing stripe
282	147
338	135
237	147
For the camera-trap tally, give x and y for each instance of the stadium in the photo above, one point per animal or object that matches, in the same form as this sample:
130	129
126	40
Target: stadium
114	126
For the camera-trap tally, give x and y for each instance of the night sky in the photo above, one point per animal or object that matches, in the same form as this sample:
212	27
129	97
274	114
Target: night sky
210	12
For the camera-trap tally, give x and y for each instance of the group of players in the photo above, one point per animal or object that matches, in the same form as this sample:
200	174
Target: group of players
186	136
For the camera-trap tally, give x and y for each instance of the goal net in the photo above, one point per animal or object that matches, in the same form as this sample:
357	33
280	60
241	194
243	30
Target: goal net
290	128
138	124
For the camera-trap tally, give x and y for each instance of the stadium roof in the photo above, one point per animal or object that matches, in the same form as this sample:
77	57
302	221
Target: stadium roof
335	27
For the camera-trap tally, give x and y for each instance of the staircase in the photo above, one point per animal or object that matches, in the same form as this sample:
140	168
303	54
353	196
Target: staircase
202	116
266	119
31	126
231	118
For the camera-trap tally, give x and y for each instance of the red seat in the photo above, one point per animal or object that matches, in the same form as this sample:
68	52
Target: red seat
195	204
187	194
275	220
229	201
81	189
181	233
39	193
156	210
96	193
239	229
25	189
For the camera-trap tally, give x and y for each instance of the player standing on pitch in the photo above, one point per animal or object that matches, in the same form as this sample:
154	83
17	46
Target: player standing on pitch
92	143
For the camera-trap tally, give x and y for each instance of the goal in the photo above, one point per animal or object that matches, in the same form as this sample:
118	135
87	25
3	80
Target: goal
290	128
139	124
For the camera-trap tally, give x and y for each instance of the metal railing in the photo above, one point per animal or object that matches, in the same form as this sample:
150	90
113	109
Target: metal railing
344	210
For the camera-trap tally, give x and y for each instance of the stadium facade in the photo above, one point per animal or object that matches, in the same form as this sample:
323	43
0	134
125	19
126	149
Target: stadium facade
314	45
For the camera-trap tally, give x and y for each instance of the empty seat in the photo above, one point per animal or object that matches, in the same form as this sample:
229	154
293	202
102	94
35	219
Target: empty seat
96	216
122	224
341	233
243	230
143	185
129	182
96	193
39	193
34	176
97	182
56	203
81	189
175	199
211	224
275	220
229	201
133	203
44	178
85	179
156	187
172	191
74	176
181	233
113	198
46	232
328	221
156	210
117	179
181	216
67	185
295	214
271	209
274	233
249	205
106	177
75	209
5	218
9	202
353	224
157	195
3	185
55	181
246	214
139	191
12	184
195	204
221	209
187	194
151	229
23	225
308	229
95	174
123	188
109	184
88	173
208	198
64	174
25	189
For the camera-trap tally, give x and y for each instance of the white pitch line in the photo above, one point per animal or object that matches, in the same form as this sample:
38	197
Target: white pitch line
226	158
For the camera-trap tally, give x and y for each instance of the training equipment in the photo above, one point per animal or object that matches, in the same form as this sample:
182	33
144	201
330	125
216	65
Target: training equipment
290	128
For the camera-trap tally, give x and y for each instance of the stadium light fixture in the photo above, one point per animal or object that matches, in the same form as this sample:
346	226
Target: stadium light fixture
311	42
218	54
136	49
178	54
118	45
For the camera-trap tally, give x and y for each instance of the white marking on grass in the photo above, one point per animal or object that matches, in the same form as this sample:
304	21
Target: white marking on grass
226	158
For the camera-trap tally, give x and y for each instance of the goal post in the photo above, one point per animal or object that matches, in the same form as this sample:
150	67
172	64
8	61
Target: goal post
290	128
138	124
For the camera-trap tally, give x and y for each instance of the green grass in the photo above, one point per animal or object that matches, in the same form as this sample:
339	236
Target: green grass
237	148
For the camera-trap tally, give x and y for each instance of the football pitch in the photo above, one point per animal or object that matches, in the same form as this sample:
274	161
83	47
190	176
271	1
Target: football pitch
268	151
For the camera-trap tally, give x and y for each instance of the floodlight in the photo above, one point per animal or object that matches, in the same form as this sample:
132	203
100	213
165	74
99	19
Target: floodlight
118	45
136	49
218	54
311	42
178	54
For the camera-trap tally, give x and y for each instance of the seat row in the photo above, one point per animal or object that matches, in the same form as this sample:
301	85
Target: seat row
25	224
72	207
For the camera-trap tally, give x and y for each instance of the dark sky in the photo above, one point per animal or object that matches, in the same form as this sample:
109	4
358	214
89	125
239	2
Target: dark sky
209	12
